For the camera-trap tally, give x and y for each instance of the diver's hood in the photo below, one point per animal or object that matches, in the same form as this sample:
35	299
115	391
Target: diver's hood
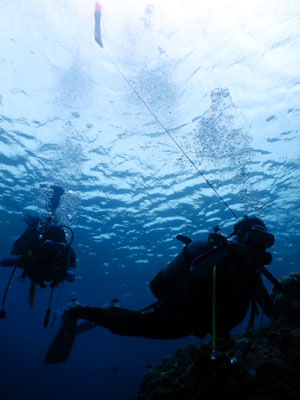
55	233
256	236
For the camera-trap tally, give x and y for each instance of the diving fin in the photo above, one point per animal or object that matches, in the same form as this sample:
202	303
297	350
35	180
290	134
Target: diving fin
84	327
62	344
31	294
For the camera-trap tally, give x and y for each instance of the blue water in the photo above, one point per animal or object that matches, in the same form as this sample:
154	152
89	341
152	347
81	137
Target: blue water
222	77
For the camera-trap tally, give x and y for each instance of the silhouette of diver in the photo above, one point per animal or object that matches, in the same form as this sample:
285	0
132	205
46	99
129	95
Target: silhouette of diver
42	251
184	291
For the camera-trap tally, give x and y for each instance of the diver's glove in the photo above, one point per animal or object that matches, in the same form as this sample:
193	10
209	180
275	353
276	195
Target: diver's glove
10	260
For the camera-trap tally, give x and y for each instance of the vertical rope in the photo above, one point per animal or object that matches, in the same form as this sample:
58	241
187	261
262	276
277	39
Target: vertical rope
169	134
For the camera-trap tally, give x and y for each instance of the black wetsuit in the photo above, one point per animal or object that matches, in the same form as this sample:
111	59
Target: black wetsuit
38	263
186	308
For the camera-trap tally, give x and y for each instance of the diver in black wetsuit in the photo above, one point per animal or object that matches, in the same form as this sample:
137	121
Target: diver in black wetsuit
184	288
42	251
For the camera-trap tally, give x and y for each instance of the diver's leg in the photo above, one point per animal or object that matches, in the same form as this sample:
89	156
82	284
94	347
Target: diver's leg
149	323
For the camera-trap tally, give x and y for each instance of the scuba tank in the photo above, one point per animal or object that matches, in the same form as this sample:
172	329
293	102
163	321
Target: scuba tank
170	277
197	258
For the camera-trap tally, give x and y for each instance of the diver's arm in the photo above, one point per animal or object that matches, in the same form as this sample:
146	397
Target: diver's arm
269	306
10	260
24	243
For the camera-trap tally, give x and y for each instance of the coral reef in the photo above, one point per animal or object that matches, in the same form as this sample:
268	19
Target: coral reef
263	364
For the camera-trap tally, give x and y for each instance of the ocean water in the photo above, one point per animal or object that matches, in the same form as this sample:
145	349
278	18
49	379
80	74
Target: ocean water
222	78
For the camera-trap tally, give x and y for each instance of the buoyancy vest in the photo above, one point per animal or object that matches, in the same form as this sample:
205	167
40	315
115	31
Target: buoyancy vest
40	264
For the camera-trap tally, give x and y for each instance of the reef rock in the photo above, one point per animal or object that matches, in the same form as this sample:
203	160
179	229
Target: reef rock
263	364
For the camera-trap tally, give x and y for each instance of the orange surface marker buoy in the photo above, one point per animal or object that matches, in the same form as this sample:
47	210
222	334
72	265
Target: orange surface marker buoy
97	14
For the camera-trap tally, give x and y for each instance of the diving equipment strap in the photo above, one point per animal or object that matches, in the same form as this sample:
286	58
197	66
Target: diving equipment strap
48	311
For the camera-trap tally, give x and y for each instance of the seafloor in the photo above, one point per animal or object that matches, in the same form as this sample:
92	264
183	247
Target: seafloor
263	364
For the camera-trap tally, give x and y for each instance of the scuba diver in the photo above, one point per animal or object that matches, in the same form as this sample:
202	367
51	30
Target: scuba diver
184	290
42	251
